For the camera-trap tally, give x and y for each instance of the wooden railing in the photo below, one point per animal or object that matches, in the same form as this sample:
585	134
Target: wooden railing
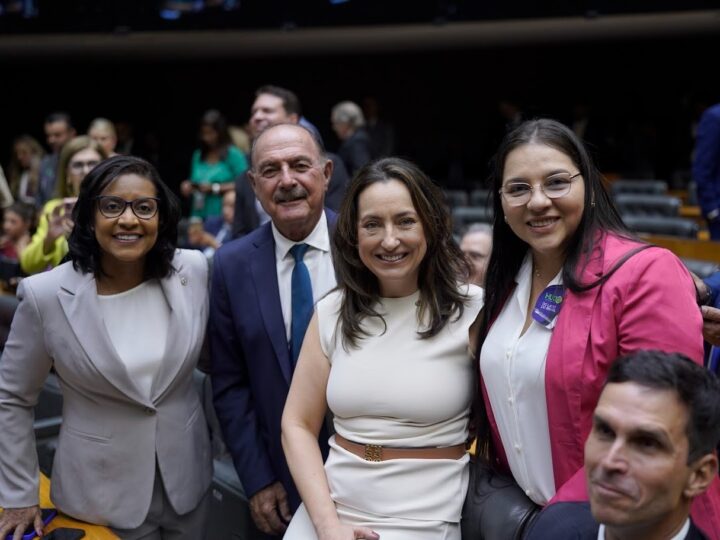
704	250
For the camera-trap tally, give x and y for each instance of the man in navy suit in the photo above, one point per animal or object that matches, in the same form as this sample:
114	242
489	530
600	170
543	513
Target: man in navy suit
650	452
706	168
251	308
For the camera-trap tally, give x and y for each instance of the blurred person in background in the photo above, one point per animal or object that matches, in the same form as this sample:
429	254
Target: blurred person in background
214	167
58	130
6	198
18	218
216	230
102	131
348	122
476	244
49	243
24	170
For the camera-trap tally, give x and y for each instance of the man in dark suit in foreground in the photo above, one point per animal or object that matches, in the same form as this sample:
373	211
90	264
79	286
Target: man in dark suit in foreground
253	323
651	451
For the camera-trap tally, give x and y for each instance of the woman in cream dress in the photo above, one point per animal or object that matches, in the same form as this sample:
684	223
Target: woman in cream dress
388	353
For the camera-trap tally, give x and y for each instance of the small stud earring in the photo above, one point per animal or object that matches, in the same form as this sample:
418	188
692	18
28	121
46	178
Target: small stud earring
505	217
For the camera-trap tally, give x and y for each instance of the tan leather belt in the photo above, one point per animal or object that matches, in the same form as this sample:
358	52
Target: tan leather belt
374	452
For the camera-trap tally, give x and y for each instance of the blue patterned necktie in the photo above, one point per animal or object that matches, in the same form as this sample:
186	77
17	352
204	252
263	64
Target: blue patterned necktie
302	300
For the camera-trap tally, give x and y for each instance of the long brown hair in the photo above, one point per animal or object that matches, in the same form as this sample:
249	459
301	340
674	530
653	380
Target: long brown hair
440	271
16	169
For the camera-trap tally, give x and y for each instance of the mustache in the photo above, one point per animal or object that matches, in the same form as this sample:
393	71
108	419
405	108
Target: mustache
297	192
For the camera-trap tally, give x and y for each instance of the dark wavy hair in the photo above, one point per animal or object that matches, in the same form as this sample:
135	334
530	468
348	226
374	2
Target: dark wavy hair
440	271
84	250
697	388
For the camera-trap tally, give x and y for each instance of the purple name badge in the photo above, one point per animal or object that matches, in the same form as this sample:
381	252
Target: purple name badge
548	305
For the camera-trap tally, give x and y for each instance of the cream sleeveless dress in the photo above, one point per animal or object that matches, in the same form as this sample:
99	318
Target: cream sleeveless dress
396	389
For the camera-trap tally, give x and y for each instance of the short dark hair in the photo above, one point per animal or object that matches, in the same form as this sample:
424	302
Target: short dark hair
84	250
696	387
291	103
443	267
59	116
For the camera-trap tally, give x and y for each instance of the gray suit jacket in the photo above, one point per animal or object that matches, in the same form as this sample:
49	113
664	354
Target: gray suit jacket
111	435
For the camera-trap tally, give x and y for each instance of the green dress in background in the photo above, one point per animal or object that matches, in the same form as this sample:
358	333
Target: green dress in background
201	172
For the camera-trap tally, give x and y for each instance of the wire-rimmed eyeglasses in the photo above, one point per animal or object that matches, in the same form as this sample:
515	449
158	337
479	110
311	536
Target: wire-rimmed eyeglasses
555	186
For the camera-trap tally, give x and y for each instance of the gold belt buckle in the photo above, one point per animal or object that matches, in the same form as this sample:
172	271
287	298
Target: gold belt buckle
373	452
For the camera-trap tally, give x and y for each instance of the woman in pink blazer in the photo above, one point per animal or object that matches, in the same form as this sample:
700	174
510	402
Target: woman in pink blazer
568	290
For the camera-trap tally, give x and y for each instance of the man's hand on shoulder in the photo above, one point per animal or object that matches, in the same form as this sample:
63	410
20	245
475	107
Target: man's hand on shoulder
711	325
270	510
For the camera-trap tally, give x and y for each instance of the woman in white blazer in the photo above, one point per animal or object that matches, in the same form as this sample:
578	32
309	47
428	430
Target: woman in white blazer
122	324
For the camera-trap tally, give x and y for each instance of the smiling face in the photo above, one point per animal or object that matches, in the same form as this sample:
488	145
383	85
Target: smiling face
391	238
127	239
545	224
290	178
636	460
269	110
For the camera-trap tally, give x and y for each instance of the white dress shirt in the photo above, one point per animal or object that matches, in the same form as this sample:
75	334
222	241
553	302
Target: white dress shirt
318	260
679	536
513	370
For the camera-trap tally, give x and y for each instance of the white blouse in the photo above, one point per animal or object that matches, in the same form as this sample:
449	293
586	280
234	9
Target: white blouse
513	370
137	322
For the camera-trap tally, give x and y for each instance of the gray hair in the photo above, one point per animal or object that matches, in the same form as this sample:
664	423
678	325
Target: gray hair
347	112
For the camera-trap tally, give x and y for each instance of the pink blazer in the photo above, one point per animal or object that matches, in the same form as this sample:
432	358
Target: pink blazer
648	303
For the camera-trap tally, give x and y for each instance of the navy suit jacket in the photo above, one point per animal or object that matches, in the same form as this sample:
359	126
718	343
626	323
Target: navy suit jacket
706	164
251	362
574	521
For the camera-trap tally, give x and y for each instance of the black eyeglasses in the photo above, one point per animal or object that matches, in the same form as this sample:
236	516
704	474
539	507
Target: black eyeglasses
113	207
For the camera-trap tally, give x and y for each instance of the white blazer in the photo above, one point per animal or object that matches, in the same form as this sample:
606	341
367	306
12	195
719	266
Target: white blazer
111	435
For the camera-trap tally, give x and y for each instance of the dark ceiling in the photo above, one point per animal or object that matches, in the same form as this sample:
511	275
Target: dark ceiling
52	16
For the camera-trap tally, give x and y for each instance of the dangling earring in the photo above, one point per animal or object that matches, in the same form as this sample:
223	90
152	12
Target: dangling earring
505	217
